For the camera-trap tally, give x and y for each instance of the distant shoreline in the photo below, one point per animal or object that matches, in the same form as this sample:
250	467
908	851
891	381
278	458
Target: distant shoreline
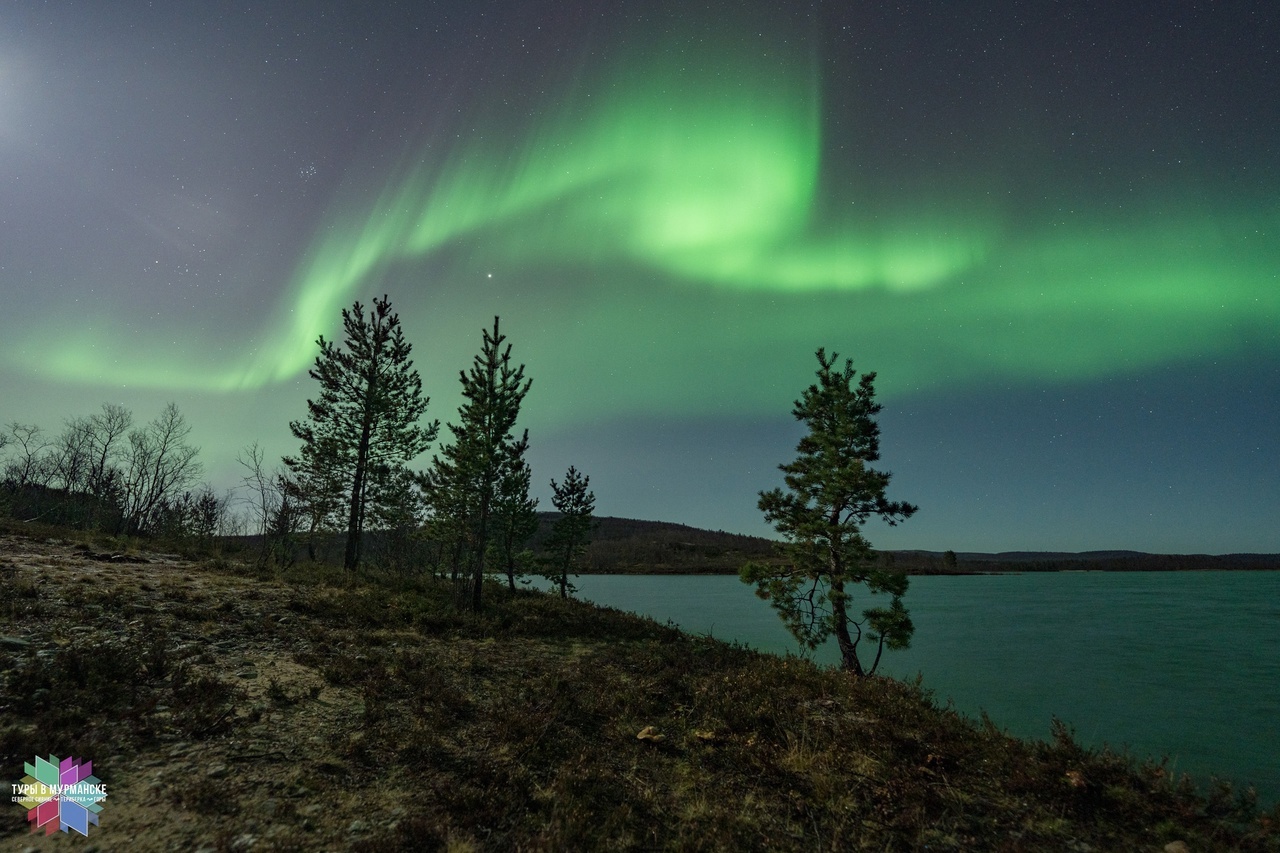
987	572
637	547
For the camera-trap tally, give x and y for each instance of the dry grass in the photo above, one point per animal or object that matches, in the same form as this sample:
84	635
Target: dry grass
370	716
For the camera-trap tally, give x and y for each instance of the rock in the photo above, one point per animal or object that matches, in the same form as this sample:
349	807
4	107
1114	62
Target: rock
1177	847
217	771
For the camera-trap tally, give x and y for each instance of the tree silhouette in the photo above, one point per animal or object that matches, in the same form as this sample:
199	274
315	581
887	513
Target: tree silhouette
462	487
571	531
515	513
831	492
362	431
159	466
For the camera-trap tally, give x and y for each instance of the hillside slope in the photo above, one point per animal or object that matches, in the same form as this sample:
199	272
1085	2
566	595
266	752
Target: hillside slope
231	711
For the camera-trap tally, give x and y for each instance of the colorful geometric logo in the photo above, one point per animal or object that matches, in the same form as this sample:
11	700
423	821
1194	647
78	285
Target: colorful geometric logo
60	795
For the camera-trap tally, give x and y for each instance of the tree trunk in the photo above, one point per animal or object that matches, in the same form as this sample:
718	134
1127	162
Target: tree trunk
477	579
355	519
849	661
564	573
879	651
352	557
311	541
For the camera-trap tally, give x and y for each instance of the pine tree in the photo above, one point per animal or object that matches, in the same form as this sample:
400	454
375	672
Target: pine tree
363	430
317	496
462	487
448	519
515	513
831	492
572	530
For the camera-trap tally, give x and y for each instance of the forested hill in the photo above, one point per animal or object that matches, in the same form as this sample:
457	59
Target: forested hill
630	546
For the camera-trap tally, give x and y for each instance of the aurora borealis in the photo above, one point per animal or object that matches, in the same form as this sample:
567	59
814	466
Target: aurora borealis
1054	233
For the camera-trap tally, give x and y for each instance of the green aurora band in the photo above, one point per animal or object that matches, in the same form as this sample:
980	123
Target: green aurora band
688	195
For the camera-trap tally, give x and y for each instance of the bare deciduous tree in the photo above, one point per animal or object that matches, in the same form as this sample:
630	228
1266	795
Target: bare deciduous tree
263	487
160	466
26	467
67	458
107	431
274	506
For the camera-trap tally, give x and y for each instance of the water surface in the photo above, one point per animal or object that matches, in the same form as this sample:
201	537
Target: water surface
1177	664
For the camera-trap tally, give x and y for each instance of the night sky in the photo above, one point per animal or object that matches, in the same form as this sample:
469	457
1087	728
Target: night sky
1052	229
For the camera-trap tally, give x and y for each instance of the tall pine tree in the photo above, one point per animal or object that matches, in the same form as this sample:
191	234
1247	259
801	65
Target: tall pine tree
362	431
462	488
831	492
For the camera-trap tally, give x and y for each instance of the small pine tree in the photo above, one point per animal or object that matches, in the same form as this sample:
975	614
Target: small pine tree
363	430
462	487
572	530
515	513
831	492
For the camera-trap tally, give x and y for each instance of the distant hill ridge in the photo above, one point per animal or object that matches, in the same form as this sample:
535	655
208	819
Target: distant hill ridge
634	546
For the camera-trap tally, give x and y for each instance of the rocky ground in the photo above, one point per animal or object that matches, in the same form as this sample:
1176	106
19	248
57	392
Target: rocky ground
242	763
228	709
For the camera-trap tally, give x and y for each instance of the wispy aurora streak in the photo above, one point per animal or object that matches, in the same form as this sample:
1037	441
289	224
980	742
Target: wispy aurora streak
704	179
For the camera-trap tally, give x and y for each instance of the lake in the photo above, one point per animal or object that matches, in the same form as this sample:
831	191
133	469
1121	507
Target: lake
1177	664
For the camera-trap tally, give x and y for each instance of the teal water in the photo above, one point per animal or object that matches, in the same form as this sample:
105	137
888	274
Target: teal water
1178	664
